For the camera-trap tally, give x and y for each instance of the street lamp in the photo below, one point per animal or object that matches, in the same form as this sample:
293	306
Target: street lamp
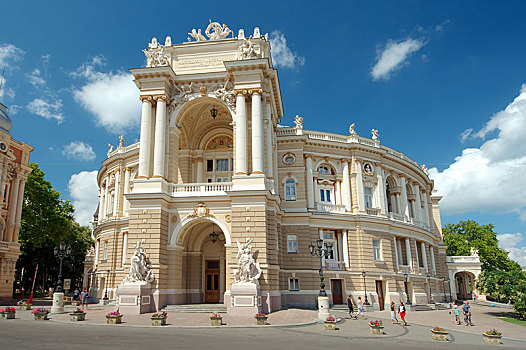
321	252
430	298
366	302
449	287
408	302
61	252
444	287
106	285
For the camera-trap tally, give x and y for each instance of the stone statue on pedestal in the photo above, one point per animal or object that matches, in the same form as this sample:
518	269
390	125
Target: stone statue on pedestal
248	268
139	267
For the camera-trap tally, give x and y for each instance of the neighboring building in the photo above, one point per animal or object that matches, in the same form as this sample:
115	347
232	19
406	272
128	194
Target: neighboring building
14	169
213	159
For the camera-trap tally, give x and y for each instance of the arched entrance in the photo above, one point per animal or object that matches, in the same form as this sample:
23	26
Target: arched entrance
465	284
203	272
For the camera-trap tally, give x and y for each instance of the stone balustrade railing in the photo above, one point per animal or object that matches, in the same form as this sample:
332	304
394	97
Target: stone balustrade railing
333	208
206	188
335	265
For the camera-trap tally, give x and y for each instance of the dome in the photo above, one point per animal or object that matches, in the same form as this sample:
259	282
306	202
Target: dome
5	121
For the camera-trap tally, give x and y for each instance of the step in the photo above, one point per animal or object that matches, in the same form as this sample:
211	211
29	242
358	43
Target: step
195	308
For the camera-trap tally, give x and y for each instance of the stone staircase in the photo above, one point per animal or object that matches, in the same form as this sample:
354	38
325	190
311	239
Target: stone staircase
195	308
421	307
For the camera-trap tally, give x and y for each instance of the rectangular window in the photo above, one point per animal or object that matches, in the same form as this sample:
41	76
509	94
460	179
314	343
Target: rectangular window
368	194
376	249
292	244
221	164
209	165
105	252
322	195
294	284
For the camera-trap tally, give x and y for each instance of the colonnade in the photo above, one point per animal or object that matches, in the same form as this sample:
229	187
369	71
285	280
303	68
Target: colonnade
109	201
413	262
16	197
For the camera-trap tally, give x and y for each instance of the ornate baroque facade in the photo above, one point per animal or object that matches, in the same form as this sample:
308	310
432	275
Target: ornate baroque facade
14	169
213	159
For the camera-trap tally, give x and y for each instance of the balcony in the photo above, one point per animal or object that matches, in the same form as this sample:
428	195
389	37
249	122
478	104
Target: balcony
331	208
372	211
201	189
334	265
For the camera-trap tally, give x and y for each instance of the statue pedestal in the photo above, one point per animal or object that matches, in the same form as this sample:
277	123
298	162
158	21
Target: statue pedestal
135	298
244	299
58	303
323	308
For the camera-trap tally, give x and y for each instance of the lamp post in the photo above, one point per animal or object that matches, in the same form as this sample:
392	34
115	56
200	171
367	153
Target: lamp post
408	302
321	252
106	285
444	288
366	302
60	252
430	297
449	287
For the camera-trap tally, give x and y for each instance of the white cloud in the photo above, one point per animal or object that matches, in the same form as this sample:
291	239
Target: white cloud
510	242
490	178
49	110
282	55
465	135
112	98
35	78
85	195
393	57
9	53
79	150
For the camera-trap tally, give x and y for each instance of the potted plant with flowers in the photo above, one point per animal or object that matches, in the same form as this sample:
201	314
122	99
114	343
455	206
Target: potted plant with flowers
78	315
159	319
492	336
40	314
24	305
75	302
439	334
261	319
114	317
216	319
8	313
376	327
330	323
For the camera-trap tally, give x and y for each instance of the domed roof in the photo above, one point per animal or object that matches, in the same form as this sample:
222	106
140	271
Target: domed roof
5	121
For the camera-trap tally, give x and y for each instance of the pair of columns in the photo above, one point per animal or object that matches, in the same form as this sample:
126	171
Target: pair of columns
241	132
15	209
345	190
105	195
156	127
423	248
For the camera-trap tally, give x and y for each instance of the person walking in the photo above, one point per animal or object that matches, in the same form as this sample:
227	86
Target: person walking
76	294
350	305
467	313
84	298
454	309
393	313
402	313
360	308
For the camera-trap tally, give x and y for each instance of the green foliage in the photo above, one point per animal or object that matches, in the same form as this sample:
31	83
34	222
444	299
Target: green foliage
503	286
461	237
46	221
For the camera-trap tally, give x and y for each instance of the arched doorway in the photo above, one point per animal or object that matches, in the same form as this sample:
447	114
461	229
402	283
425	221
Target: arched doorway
465	284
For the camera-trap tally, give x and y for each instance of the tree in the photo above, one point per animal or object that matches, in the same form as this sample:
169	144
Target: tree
46	221
505	286
461	237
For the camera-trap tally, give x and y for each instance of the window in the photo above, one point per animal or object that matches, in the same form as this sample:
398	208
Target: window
376	249
209	165
368	194
110	203
105	252
221	164
325	170
294	284
325	195
329	242
222	179
292	244
290	190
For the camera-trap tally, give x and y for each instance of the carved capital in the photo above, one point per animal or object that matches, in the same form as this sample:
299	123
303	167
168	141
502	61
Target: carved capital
162	97
307	155
146	98
255	92
345	160
241	92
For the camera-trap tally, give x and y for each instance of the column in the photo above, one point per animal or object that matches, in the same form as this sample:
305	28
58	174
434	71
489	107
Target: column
417	208
424	256
337	192
398	204
432	251
160	137
399	246
13	201
396	253
199	177
241	134
97	250
346	186
426	209
269	141
408	253
19	203
116	194
257	132
404	208
106	196
124	247
380	191
146	124
310	182
417	263
275	159
101	201
126	203
359	187
346	248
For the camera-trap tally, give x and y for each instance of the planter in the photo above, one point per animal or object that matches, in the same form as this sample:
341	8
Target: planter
439	336
376	330
75	303
114	319
216	321
492	339
25	306
158	321
8	315
261	320
40	316
330	325
77	316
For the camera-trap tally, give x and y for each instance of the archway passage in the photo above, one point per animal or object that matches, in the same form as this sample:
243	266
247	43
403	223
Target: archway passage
203	263
465	285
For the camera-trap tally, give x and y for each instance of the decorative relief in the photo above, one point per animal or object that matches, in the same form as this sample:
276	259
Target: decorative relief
289	159
368	169
200	210
248	269
186	92
228	218
220	142
155	55
249	50
214	31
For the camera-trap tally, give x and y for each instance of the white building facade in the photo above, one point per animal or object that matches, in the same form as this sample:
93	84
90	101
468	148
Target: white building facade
213	167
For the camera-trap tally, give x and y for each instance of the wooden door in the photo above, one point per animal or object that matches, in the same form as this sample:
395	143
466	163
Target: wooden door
212	281
380	293
336	287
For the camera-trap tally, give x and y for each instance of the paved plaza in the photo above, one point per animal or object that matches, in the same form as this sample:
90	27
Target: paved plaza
295	328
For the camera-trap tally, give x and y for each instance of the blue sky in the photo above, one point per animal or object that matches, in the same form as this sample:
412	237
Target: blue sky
443	83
